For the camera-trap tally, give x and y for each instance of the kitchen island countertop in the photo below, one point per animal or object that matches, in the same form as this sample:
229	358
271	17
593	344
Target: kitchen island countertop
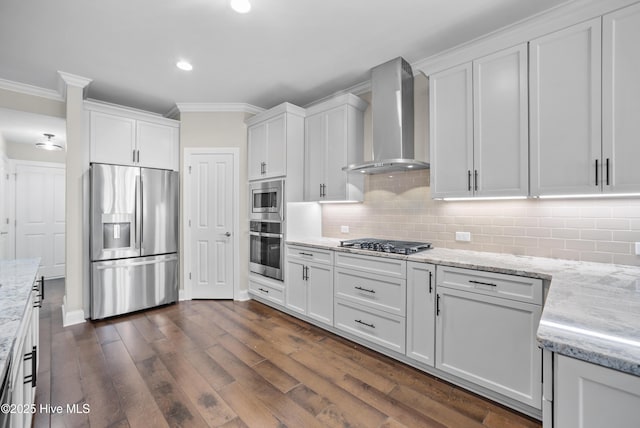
16	283
591	312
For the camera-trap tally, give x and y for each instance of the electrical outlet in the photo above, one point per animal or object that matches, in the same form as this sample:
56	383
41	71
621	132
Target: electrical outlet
344	229
637	248
463	236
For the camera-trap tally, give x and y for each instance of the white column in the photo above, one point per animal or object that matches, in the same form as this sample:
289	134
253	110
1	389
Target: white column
76	245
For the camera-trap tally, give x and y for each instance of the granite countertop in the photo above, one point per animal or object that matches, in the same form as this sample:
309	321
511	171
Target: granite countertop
16	279
592	310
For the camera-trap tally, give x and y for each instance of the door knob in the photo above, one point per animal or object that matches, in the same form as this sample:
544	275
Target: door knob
227	234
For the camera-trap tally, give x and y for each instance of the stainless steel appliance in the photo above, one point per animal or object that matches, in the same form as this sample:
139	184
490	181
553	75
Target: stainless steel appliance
267	200
134	238
387	246
392	121
266	248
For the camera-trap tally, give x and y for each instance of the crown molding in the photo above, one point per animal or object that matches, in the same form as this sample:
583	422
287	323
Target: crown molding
35	91
74	80
134	113
67	79
216	108
545	22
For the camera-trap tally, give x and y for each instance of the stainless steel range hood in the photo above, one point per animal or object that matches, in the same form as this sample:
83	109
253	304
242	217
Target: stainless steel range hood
392	117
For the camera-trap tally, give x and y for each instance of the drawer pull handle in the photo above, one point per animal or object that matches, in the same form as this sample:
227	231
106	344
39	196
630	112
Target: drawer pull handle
263	290
365	289
306	254
364	323
482	283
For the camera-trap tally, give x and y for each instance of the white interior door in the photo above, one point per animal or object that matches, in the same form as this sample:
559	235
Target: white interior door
212	241
40	216
5	202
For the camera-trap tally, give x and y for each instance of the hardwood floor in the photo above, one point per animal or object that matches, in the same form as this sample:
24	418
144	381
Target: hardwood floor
235	364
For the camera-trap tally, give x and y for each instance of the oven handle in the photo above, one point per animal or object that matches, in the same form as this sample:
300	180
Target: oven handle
267	235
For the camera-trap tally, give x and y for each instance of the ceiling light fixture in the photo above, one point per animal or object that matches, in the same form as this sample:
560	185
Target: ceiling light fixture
241	6
48	144
184	65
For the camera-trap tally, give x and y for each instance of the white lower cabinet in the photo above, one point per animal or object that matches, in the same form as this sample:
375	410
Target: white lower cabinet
370	299
591	396
270	290
421	305
24	363
379	327
488	339
309	288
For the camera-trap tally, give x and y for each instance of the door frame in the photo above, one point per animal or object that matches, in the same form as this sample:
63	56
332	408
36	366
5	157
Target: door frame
186	292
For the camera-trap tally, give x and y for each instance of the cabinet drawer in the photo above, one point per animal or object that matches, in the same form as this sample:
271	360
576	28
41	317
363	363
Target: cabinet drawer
375	326
511	287
267	291
375	291
310	254
374	264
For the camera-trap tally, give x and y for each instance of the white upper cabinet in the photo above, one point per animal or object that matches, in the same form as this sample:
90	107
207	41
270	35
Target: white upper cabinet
565	91
275	143
129	140
334	133
451	132
158	145
479	127
500	132
621	100
113	138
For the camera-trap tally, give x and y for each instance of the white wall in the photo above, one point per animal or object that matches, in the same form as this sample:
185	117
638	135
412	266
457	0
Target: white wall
30	152
220	129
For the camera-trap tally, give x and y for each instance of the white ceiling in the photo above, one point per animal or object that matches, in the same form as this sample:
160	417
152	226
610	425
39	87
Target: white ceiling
283	50
29	128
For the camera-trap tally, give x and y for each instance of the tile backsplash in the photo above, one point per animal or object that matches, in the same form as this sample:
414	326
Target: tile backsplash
400	207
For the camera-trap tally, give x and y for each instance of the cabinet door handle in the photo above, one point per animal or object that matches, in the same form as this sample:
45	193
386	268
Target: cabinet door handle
263	290
482	283
33	356
437	305
430	285
365	289
133	154
469	180
306	254
321	190
596	172
364	323
475	180
607	172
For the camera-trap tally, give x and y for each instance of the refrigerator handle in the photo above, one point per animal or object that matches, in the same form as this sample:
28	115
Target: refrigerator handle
140	215
138	212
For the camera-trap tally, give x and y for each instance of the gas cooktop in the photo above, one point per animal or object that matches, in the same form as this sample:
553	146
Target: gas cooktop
386	246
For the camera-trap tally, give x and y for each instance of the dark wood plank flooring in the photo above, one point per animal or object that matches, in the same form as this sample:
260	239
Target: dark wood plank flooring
235	364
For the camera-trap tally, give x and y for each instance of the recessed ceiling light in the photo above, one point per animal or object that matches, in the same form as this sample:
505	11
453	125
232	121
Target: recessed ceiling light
241	6
184	65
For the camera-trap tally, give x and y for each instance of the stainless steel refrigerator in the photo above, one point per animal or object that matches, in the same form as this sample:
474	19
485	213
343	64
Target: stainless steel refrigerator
134	238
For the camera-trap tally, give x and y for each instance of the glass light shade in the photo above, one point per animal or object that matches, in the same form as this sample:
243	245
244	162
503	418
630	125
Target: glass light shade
48	144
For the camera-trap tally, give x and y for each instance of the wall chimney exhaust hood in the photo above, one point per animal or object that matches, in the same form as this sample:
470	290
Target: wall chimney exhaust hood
392	118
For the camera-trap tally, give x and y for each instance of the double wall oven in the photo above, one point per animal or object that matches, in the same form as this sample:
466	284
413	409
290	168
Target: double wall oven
266	228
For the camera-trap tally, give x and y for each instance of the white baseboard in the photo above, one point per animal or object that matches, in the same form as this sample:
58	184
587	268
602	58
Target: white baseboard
184	295
243	295
71	317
